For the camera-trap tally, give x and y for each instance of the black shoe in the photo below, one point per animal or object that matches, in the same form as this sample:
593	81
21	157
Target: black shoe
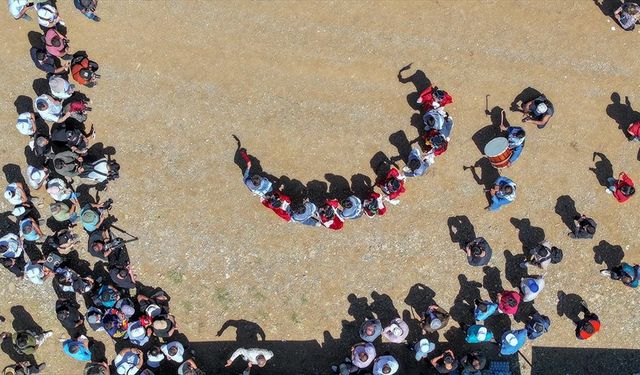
96	18
42	366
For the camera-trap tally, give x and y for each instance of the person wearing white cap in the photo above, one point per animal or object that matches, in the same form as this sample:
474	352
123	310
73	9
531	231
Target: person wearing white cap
26	123
434	319
36	176
385	365
512	341
36	273
538	111
15	194
531	287
138	335
60	87
397	331
423	348
174	351
478	333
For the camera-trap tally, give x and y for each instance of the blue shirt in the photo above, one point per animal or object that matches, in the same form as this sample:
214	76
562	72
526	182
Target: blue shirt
491	308
472	334
504	181
83	354
415	155
355	211
261	189
506	348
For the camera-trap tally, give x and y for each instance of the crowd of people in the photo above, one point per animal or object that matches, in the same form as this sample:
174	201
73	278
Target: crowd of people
117	305
138	319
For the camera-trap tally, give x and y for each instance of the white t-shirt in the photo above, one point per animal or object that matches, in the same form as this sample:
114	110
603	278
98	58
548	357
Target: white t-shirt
35	176
15	6
60	87
17	194
528	293
25	124
47	13
53	111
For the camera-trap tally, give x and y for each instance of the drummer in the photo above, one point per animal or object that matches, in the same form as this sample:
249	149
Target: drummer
538	111
503	192
515	136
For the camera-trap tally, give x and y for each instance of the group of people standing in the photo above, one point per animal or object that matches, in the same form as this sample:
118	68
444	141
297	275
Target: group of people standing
389	185
136	317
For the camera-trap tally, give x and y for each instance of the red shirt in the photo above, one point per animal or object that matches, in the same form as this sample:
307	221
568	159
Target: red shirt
623	181
282	210
634	129
504	307
381	208
335	222
428	99
392	175
583	335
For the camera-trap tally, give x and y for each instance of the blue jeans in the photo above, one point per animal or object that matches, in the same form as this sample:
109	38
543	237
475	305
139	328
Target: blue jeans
497	202
90	15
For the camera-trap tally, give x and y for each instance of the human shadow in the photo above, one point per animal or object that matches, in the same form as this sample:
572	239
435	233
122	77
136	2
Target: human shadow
492	281
566	209
420	297
338	186
400	141
23	103
381	164
294	189
360	311
317	192
246	331
463	304
36	39
512	270
622	113
12	173
361	185
461	230
420	82
488	173
603	169
40	86
526	95
608	7
22	320
528	235
569	305
609	254
382	306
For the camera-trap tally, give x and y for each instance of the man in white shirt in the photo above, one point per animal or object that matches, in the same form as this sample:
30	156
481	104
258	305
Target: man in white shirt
50	109
253	356
26	123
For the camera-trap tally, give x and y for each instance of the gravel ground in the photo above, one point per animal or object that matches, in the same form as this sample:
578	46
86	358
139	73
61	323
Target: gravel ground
311	89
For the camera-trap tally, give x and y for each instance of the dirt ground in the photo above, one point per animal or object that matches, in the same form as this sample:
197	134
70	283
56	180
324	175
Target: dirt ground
311	90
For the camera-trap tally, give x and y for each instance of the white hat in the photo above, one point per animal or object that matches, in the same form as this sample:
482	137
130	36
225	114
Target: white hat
435	323
423	347
37	174
482	333
511	339
153	310
138	332
541	108
396	330
9	193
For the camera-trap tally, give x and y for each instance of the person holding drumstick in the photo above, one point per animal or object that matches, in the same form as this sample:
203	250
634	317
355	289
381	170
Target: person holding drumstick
537	111
515	137
503	192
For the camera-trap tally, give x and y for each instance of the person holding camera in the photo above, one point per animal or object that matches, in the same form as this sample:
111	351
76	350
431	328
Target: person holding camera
478	252
92	215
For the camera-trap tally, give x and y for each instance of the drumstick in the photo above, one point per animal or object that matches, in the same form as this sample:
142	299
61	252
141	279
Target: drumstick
486	102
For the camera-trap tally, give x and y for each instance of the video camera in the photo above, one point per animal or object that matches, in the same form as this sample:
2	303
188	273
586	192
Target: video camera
115	243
